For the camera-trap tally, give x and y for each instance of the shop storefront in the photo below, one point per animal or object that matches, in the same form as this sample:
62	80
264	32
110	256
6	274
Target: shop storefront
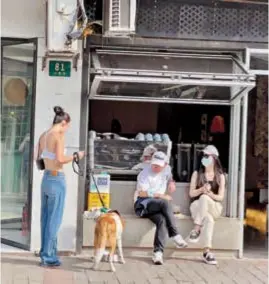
179	93
129	85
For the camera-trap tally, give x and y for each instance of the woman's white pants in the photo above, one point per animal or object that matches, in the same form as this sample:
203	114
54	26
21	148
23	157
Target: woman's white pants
204	211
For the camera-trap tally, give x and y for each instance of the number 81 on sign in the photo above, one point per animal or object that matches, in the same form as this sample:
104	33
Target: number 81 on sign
59	68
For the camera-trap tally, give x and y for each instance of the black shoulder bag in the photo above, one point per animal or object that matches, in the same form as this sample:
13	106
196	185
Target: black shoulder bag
39	161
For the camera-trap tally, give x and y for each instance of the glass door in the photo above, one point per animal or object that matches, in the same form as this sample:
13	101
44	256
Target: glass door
18	75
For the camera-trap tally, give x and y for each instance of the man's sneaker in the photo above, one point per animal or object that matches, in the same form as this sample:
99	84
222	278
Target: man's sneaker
157	258
209	258
194	236
179	241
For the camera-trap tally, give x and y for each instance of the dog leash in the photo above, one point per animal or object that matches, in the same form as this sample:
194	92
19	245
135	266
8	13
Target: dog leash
79	172
76	162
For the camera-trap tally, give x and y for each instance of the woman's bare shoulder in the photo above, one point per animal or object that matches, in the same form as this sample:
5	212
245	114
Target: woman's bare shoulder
194	177
50	135
195	174
223	176
42	135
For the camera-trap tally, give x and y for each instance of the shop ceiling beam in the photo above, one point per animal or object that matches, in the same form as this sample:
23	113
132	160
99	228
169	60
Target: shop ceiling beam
235	79
182	54
160	80
160	44
147	72
203	52
160	100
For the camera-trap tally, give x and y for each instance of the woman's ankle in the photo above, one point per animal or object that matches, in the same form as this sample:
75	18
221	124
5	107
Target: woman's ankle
206	250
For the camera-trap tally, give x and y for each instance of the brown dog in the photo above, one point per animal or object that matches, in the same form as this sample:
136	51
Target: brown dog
108	233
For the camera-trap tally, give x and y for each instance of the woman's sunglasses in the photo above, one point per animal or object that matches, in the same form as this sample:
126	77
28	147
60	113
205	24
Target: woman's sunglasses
206	156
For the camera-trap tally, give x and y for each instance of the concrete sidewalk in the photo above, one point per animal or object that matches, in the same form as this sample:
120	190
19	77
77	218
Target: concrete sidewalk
22	269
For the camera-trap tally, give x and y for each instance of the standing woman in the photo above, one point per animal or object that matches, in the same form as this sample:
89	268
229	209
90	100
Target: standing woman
53	188
207	189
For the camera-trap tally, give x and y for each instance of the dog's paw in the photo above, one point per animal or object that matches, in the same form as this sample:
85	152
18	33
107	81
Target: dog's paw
113	269
122	261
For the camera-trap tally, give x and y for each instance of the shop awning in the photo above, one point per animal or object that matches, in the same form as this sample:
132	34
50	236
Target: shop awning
168	77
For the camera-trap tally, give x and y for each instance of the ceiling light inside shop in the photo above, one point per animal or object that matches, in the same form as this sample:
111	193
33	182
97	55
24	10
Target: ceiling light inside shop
189	92
171	88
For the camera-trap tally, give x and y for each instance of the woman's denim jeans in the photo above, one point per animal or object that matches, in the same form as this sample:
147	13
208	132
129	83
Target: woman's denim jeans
53	191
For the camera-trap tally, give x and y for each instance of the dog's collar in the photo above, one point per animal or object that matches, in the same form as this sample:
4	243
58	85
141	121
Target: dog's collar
114	211
104	210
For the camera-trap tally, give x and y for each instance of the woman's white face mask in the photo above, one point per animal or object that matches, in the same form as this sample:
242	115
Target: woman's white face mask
207	161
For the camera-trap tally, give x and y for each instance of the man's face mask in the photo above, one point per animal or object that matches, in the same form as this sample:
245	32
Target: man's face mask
156	168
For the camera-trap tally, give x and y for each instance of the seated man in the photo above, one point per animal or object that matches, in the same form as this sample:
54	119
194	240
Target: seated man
152	202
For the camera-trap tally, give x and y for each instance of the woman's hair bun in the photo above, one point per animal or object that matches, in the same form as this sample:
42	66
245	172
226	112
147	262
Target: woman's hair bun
58	110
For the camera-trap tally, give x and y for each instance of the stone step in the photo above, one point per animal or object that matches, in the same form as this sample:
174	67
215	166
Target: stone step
139	233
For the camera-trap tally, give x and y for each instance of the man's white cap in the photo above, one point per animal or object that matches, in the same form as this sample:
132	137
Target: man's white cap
159	158
149	151
211	150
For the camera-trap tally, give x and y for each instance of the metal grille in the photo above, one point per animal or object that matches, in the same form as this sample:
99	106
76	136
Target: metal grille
216	21
115	13
90	8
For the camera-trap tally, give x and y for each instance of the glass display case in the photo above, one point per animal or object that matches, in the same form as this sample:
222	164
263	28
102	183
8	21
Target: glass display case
120	155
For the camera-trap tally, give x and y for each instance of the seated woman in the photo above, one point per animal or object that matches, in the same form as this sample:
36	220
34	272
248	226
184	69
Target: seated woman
207	192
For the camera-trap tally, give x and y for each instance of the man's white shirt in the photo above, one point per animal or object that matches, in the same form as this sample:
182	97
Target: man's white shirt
149	181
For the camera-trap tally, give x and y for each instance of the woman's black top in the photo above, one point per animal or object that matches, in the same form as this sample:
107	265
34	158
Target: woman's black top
214	189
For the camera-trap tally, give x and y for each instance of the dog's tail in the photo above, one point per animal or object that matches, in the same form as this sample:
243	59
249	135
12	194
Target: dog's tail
100	241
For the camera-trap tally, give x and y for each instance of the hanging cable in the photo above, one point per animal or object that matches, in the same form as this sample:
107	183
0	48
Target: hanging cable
74	34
